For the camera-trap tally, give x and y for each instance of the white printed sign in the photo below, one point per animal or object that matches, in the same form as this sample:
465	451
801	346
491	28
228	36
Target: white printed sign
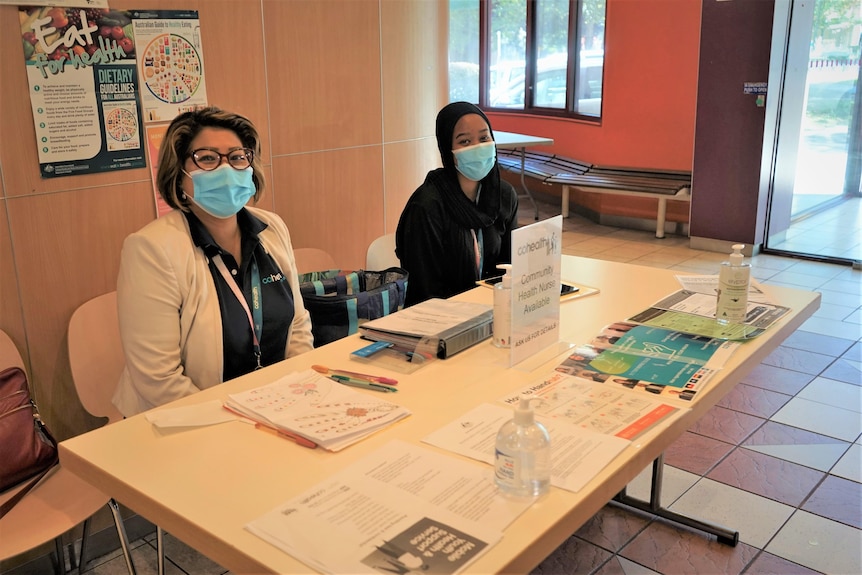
536	264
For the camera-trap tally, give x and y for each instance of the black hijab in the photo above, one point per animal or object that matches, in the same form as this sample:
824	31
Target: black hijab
465	212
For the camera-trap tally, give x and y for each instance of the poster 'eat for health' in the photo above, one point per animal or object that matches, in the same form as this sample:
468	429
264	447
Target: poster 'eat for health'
83	83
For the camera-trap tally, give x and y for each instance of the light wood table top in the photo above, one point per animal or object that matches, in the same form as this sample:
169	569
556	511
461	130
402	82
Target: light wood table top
204	484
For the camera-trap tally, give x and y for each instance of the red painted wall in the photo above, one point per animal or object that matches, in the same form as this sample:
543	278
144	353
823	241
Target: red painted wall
649	92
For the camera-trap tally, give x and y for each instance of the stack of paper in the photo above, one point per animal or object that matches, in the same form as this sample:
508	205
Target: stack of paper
317	408
402	509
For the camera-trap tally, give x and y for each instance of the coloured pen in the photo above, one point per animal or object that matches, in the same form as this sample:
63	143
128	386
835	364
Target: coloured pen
362	383
298	439
372	378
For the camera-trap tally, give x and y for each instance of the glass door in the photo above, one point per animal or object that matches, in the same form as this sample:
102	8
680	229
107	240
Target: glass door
815	205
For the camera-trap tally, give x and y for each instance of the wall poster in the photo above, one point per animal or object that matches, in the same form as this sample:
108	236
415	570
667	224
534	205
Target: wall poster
83	82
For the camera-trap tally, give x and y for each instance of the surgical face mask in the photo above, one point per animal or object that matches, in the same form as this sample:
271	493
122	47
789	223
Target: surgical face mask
475	162
224	191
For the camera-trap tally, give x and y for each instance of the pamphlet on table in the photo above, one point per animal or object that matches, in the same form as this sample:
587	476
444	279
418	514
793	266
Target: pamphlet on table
317	408
694	313
401	509
589	424
672	364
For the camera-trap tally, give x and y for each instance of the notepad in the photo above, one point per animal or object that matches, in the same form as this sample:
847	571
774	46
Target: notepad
443	325
317	408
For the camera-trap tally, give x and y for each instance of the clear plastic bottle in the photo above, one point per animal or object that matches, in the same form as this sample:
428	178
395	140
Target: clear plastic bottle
522	458
503	308
734	279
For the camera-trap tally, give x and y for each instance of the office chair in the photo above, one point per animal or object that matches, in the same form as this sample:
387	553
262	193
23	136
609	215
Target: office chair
57	504
96	360
313	260
381	254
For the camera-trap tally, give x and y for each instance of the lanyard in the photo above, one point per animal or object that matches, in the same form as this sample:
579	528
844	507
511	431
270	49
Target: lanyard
479	251
256	324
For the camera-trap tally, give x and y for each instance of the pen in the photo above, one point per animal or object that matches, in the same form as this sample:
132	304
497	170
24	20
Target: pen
362	383
288	435
375	378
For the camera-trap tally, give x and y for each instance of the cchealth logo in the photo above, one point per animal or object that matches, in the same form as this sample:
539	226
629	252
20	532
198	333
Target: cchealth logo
273	278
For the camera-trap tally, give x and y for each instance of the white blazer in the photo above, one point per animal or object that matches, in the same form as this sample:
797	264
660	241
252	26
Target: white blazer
170	321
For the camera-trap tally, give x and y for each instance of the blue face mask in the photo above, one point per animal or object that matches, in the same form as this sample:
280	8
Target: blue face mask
224	191
475	162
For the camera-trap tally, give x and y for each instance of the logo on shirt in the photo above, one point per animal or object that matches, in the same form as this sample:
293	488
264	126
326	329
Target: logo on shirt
273	278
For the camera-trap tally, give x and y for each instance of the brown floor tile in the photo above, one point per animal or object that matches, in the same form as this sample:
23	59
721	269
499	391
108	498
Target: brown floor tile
777	379
768	564
612	527
767	476
612	567
573	556
668	549
808	341
843	370
838	499
798	360
773	433
695	453
754	400
726	425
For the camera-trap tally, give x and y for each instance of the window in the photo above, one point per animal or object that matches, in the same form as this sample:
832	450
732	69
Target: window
536	56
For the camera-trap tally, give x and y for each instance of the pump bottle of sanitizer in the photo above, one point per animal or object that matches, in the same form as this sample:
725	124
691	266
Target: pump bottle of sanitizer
734	279
503	309
522	455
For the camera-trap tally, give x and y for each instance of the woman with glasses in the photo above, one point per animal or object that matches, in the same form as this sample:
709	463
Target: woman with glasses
209	291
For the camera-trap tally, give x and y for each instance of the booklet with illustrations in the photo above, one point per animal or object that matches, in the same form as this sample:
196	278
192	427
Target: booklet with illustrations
655	360
316	408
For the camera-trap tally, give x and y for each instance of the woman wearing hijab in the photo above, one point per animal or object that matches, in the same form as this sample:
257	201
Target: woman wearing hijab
457	226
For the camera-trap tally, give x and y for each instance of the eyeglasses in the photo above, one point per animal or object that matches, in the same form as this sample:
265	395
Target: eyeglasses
208	159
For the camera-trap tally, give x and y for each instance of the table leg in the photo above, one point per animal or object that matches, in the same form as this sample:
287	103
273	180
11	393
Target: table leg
724	534
524	184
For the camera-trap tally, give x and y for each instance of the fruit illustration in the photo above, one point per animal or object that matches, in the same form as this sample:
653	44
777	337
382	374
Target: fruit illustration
112	25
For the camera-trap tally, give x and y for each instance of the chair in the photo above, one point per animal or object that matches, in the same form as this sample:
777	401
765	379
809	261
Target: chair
381	254
96	360
56	505
313	260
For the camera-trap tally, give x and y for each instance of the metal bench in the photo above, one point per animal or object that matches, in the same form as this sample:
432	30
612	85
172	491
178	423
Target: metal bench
552	169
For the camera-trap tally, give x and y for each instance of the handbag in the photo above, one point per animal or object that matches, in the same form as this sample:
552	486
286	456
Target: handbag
27	448
339	301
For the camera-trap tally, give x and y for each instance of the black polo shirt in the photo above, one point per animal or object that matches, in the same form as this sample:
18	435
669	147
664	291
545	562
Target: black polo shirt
276	297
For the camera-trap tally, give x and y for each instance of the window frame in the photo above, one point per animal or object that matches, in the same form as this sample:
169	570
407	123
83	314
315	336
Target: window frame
531	64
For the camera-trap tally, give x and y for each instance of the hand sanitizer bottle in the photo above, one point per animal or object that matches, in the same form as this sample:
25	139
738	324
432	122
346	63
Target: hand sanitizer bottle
733	283
522	459
503	309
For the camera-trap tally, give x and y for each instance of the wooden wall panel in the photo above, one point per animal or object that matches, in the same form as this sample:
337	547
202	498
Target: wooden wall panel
411	92
340	200
405	165
67	251
10	302
323	70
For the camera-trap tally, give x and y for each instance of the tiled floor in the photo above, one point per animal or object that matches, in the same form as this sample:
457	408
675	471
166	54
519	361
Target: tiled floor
779	458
